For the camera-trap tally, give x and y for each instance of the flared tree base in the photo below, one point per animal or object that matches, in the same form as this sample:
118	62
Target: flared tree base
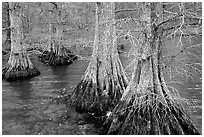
19	67
51	58
11	74
88	98
149	118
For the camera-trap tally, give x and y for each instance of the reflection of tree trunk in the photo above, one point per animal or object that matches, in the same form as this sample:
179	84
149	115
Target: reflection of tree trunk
104	80
56	53
147	106
19	65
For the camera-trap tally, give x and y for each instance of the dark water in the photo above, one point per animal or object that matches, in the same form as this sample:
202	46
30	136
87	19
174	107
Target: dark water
27	106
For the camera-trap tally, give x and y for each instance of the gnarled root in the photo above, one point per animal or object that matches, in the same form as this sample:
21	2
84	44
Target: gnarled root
149	115
18	67
100	90
87	97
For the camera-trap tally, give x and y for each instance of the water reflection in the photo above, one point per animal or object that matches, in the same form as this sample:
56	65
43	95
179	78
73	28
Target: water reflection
23	89
60	74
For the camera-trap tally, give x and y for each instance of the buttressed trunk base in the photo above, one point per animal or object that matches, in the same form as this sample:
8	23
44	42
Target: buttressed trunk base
19	67
149	110
57	55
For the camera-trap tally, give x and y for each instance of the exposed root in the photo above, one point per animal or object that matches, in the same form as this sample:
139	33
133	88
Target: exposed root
149	115
100	88
18	67
88	97
52	58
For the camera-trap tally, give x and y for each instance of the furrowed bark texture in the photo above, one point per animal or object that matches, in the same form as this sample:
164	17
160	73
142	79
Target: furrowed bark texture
104	81
19	65
56	53
146	106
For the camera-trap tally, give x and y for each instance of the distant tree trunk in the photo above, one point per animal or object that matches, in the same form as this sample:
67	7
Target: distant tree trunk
56	53
146	106
104	80
19	65
8	30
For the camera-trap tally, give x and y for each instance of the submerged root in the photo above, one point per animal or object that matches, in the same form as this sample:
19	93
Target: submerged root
149	115
52	58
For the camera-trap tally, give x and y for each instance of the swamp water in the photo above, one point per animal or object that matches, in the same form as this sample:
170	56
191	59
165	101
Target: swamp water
28	106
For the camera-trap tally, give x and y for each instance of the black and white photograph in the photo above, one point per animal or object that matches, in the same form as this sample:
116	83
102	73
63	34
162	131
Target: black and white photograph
101	68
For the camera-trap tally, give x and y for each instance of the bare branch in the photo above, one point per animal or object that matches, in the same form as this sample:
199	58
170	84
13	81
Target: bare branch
55	4
122	10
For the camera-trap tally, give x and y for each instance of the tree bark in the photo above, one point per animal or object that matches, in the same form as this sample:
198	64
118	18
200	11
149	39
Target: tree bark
8	30
147	106
19	65
104	80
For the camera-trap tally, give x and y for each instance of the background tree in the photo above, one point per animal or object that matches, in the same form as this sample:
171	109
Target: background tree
56	54
19	65
6	31
77	25
149	105
104	80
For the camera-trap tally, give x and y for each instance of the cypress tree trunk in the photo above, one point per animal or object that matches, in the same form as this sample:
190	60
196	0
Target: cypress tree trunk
146	106
104	80
56	53
19	65
8	30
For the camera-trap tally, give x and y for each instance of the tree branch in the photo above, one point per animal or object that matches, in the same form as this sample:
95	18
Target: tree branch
40	12
55	4
174	27
125	10
177	18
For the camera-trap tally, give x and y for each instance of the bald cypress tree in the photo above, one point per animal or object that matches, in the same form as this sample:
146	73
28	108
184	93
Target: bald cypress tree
148	106
19	65
104	80
56	53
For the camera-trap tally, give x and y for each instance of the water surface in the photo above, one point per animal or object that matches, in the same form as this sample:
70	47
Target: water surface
27	106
